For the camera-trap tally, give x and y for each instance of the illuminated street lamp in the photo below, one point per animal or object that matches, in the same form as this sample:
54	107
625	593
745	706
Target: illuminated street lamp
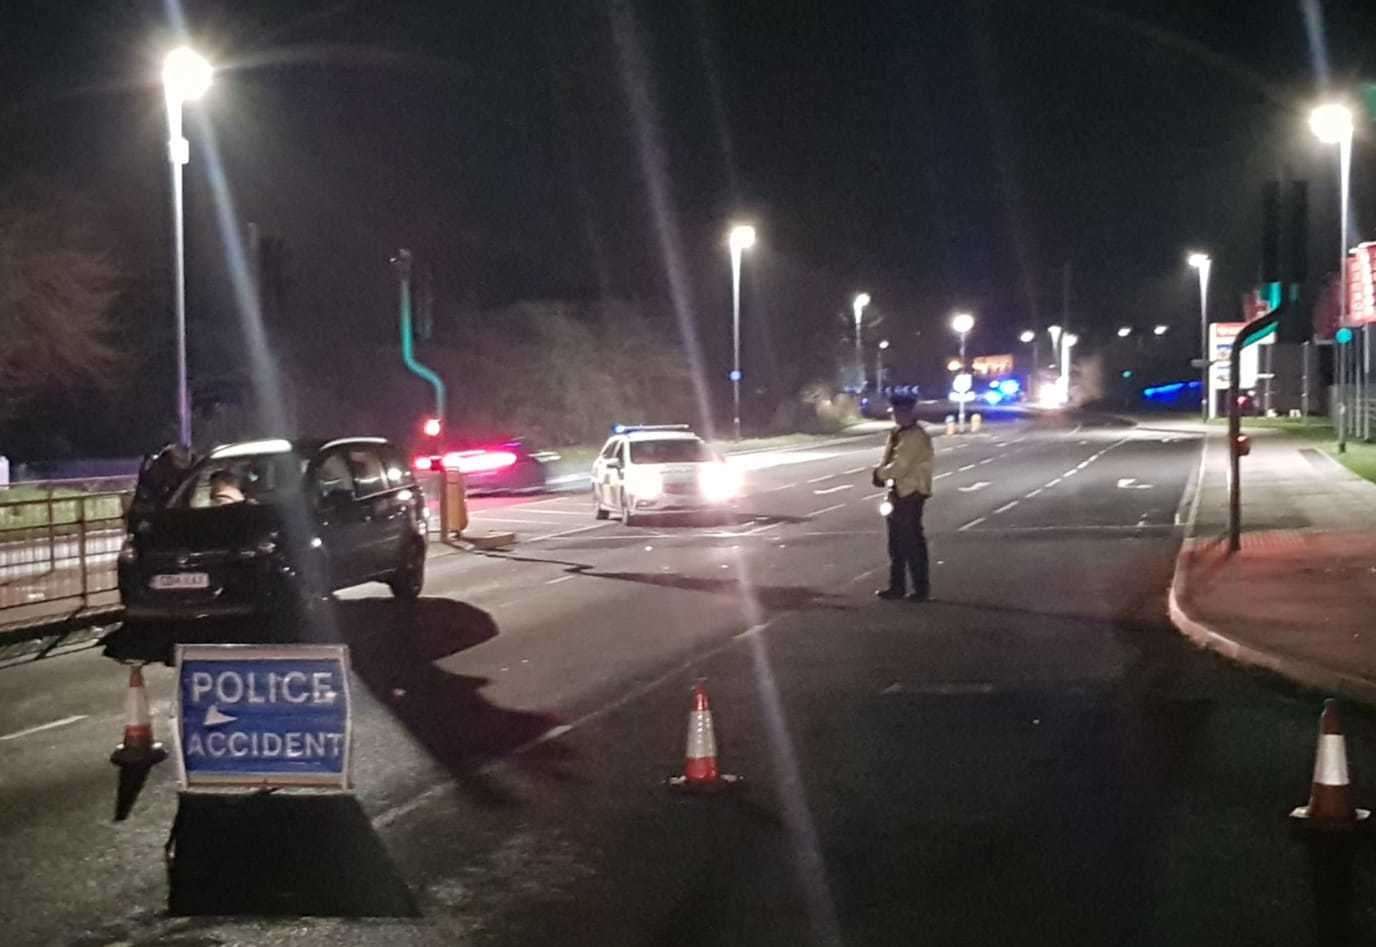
858	307
1124	331
185	77
1160	330
1332	125
1027	337
879	365
961	324
742	238
1203	263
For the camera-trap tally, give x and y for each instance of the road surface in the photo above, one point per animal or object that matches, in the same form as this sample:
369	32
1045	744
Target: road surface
1034	757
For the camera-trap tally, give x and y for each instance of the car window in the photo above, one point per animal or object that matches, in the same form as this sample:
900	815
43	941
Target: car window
333	475
245	479
369	477
397	470
671	452
609	450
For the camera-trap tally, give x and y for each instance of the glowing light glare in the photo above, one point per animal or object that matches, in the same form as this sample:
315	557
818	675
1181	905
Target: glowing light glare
1160	330
742	238
1331	123
1055	333
1010	386
962	322
884	344
954	365
858	305
432	427
422	462
1071	339
1124	332
478	461
1027	337
718	482
1198	260
885	508
645	483
186	74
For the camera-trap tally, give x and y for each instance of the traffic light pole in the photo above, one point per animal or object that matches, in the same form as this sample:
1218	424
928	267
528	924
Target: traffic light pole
1252	330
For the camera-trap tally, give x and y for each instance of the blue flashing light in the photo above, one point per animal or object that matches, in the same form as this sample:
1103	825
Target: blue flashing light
1127	373
1010	386
1172	390
1343	336
735	375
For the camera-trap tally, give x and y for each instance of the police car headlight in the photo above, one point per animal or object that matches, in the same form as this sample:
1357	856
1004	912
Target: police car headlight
718	482
645	484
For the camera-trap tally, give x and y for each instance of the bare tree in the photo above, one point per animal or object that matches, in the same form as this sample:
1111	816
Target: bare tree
55	294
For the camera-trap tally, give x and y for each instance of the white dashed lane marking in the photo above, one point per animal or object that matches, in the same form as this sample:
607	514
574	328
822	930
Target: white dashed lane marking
971	525
1007	506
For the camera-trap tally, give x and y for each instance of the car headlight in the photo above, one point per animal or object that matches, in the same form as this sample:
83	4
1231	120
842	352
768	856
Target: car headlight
718	482
645	484
128	553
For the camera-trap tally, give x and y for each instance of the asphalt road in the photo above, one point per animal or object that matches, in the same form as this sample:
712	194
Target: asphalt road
1034	757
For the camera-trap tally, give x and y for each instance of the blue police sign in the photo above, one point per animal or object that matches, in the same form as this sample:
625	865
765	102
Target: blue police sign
263	716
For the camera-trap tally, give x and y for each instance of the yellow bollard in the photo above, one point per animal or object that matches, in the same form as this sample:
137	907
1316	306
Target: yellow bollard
453	506
950	424
975	421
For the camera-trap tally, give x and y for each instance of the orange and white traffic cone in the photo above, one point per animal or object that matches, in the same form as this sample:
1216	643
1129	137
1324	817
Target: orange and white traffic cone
1330	798
139	747
700	770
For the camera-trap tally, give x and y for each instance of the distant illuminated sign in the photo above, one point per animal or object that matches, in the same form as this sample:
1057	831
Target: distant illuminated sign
992	364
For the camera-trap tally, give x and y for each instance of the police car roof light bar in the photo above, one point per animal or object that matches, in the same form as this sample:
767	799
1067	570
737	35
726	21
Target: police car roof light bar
629	428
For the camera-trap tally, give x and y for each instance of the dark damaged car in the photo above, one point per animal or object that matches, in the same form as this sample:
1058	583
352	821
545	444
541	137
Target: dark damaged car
264	528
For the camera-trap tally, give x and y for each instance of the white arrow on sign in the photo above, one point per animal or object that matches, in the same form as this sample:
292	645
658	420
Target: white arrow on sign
213	716
1130	483
977	485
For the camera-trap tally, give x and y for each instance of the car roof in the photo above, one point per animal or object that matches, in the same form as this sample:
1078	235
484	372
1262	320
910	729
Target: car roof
278	445
636	437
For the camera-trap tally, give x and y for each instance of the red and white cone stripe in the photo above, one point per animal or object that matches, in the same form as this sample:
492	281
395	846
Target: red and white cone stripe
1330	796
700	769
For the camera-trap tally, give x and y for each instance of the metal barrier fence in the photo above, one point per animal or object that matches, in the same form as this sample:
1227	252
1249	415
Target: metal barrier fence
59	541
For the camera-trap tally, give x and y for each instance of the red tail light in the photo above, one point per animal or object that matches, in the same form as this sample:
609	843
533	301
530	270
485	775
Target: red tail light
478	461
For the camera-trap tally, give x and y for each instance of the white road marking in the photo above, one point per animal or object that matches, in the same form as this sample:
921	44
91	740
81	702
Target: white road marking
787	486
952	689
43	726
1070	473
974	487
820	479
855	470
567	532
1130	483
562	578
1007	506
844	486
1033	493
971	525
988	460
1052	483
940	475
965	468
761	529
829	509
1085	463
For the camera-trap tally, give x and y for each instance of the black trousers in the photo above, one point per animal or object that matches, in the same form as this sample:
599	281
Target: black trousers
907	544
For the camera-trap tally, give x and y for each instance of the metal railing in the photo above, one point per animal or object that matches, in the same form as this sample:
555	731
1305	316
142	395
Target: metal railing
59	541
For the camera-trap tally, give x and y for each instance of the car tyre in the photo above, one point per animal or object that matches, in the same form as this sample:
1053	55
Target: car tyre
598	510
408	581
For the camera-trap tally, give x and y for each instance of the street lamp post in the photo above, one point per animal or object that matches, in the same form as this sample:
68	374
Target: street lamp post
879	366
185	77
961	324
1034	387
857	306
1203	263
742	238
1332	125
1061	386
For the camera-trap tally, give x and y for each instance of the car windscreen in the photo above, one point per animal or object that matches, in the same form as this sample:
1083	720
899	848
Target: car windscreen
671	452
252	478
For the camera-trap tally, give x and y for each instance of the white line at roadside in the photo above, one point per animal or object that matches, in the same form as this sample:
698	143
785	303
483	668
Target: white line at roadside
42	726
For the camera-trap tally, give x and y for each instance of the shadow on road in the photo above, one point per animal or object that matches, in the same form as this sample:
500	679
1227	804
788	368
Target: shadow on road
127	788
271	855
393	650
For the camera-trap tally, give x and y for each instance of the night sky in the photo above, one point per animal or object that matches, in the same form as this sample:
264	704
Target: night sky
940	155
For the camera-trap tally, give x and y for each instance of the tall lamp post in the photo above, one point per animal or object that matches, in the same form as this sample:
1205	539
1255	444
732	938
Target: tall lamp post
1061	387
1203	263
185	77
857	306
1034	387
961	324
1332	125
879	366
742	238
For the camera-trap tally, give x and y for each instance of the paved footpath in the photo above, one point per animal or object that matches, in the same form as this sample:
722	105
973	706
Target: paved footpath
1300	597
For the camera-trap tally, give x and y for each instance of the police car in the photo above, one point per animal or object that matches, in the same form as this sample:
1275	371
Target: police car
660	468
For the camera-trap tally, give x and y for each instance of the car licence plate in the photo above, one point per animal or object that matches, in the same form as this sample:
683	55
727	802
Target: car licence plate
181	580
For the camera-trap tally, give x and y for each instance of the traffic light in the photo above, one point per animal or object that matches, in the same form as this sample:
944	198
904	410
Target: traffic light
432	427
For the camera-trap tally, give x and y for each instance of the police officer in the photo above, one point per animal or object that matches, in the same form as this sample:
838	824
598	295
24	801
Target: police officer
907	471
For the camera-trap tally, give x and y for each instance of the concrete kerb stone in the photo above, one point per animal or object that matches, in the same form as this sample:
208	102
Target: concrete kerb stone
1305	673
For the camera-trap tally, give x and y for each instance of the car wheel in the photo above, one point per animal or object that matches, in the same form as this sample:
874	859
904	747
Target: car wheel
598	510
627	517
409	579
